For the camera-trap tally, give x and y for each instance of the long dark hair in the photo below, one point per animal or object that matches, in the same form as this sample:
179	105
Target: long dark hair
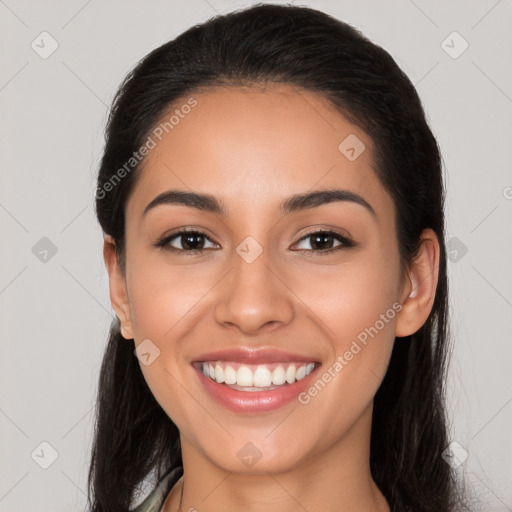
306	48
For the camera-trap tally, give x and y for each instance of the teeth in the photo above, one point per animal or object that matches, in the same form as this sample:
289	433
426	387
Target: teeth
259	376
279	376
244	376
301	373
229	375
262	377
290	374
219	373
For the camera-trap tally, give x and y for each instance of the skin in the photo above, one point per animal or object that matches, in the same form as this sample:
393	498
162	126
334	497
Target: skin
253	148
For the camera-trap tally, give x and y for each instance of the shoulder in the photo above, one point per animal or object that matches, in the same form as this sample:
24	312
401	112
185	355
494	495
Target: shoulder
154	501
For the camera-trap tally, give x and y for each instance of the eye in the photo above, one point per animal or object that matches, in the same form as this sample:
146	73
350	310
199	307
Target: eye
322	241
185	241
193	242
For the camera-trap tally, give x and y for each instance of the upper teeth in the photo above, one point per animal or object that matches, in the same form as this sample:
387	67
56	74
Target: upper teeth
256	375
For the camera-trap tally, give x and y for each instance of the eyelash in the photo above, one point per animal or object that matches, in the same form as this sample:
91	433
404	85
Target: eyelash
346	243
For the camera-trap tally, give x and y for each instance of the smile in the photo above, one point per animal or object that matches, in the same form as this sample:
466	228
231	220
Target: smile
254	381
245	377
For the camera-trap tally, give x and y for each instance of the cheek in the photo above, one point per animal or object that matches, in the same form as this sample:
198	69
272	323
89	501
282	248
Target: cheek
357	306
349	298
161	296
162	303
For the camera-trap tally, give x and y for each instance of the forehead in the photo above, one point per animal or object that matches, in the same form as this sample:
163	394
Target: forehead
258	144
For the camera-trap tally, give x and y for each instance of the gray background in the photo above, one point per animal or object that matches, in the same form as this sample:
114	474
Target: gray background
55	308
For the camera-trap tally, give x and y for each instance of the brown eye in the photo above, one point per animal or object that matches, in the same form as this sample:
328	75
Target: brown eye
324	241
185	241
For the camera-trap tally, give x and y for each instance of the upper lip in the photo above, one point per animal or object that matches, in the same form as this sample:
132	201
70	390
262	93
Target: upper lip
254	356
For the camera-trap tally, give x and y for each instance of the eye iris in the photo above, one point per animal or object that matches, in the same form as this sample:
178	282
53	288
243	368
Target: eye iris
320	239
191	241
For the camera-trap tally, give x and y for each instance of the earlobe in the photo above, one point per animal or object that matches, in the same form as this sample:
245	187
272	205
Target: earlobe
419	289
117	284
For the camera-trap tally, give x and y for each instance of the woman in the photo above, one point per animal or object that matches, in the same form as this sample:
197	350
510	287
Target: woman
272	203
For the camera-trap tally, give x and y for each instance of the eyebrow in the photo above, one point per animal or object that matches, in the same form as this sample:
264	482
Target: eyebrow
298	202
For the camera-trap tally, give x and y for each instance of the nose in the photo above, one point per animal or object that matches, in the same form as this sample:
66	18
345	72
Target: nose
254	297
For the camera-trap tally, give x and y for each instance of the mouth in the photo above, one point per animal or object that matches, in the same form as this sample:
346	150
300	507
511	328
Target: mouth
251	377
248	387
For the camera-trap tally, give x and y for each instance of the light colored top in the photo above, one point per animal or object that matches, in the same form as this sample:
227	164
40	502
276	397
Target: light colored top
156	498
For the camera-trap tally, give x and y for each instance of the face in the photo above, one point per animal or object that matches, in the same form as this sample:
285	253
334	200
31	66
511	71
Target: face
268	284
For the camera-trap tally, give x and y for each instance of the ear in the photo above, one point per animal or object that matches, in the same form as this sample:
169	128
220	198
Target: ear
118	291
419	289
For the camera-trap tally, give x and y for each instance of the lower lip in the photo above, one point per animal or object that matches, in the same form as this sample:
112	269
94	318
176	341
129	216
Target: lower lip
254	401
